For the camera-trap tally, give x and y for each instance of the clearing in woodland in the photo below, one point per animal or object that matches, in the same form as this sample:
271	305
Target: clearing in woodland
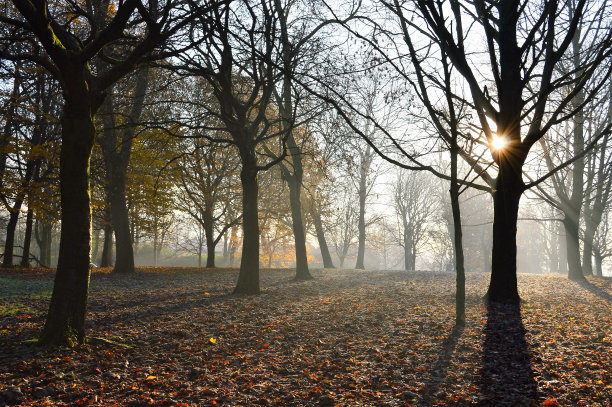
168	336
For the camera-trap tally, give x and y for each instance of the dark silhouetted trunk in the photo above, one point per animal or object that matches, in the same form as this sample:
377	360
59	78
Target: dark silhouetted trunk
458	247
42	233
9	243
509	185
210	240
9	124
25	256
248	279
503	287
65	323
301	260
116	150
325	254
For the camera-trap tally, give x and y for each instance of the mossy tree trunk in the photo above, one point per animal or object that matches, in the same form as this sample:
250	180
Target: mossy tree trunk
65	324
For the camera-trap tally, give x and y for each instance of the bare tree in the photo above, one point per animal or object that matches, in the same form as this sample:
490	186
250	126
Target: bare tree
414	203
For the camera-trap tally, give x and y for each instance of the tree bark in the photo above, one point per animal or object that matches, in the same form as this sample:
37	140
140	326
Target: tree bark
42	233
458	248
248	278
301	259
210	240
503	286
320	232
116	151
9	243
65	323
361	223
25	255
572	245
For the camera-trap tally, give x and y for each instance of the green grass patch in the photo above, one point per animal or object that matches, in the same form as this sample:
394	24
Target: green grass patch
12	309
15	287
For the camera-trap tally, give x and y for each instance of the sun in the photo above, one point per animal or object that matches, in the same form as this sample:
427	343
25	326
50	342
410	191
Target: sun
499	142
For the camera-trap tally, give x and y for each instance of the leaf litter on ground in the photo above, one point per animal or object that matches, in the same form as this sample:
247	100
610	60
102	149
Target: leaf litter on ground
174	336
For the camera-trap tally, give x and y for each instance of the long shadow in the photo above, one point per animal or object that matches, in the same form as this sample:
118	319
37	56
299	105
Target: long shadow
600	292
506	377
440	368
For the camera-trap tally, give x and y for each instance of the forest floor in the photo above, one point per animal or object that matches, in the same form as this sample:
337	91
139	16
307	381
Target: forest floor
349	338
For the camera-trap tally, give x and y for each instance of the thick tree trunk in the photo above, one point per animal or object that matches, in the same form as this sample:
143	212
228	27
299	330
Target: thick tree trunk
124	253
248	279
572	246
325	254
301	260
503	286
25	256
117	151
407	258
65	324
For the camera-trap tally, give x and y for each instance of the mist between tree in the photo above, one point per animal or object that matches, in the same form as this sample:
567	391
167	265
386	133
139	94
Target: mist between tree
456	137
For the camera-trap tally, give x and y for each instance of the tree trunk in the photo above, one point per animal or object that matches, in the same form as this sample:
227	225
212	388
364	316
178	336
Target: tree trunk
155	237
210	241
47	239
562	264
9	123
107	246
503	286
15	210
458	249
598	261
9	243
200	245
325	254
301	260
587	251
248	279
361	224
42	233
116	152
407	250
25	256
65	323
572	246
124	253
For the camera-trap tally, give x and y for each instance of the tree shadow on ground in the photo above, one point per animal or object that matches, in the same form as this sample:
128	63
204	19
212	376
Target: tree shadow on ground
439	369
600	292
506	377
